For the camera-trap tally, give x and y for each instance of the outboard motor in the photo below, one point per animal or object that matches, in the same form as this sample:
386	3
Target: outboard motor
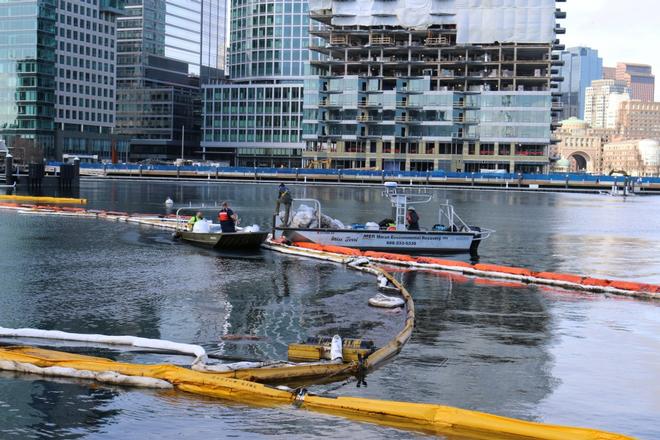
476	240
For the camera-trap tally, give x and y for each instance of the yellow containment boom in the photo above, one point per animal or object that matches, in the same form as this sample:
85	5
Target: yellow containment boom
37	199
413	416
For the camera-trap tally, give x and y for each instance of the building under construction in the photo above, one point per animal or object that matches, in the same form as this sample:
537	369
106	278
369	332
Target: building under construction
457	87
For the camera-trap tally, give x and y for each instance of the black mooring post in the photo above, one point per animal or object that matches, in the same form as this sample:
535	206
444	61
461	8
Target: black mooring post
9	169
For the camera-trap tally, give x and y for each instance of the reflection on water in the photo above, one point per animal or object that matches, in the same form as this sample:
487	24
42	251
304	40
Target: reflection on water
512	349
473	347
52	408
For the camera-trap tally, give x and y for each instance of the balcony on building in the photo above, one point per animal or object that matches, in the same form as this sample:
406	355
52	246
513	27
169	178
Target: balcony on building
328	103
115	7
465	120
535	151
407	120
322	15
369	119
466	104
406	103
366	103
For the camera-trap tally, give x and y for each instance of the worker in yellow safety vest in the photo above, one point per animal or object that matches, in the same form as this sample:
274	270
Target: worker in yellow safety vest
194	219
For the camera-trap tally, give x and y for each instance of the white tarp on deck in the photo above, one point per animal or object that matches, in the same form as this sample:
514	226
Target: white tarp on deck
478	21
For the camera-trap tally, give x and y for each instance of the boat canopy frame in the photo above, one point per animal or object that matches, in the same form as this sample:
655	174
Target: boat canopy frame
182	225
401	198
454	221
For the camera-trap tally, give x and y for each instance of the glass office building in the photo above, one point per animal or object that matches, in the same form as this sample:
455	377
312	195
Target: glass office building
158	67
268	39
267	55
165	28
213	50
57	73
582	65
183	32
263	118
27	74
85	84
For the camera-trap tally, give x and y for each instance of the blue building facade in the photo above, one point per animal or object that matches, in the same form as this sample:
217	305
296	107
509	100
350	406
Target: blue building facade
57	73
27	73
582	65
255	118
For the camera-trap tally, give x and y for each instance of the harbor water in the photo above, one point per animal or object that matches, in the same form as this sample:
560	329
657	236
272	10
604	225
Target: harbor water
530	352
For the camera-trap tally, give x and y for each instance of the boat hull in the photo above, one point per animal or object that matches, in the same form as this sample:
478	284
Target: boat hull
227	240
392	241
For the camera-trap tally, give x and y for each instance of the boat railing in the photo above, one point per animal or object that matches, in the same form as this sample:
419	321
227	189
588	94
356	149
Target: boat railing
181	224
456	224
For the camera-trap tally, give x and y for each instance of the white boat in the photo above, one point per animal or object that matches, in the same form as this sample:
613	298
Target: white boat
450	235
615	191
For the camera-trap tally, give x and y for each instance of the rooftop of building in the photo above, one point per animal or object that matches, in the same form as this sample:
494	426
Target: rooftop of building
634	64
573	122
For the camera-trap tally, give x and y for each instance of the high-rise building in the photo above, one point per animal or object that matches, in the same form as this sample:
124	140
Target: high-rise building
426	85
57	76
582	65
182	21
85	81
254	119
638	120
158	85
640	79
602	101
609	73
167	49
27	73
213	40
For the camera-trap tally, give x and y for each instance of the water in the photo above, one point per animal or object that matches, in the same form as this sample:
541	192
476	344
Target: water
531	352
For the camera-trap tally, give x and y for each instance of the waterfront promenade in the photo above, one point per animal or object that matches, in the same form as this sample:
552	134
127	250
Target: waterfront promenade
530	182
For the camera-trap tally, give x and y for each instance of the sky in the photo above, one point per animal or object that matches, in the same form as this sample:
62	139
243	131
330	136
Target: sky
626	31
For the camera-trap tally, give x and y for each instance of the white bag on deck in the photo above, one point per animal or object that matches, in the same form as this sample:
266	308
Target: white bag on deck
303	217
202	227
215	228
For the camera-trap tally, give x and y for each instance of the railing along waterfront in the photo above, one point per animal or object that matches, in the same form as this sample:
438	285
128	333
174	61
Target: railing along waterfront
431	177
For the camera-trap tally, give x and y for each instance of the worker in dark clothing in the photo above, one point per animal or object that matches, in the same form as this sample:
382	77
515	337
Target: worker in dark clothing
283	199
412	219
227	218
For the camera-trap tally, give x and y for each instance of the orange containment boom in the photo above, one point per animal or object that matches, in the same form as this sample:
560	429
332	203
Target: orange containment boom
431	418
570	281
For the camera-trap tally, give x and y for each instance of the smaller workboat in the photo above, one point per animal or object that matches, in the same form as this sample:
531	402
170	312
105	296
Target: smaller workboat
207	233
